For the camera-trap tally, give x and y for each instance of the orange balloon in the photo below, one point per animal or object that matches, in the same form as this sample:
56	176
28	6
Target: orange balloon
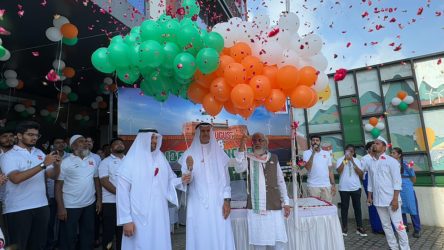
287	92
271	73
373	121
275	101
224	61
102	105
242	96
258	103
61	97
28	103
226	51
253	66
220	89
234	74
20	85
229	107
314	100
246	113
261	87
211	105
287	77
204	80
196	93
113	87
69	30
302	96
51	108
401	95
308	76
69	72
239	51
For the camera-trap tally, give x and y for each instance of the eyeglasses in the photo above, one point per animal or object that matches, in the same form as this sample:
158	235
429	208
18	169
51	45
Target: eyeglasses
257	140
34	135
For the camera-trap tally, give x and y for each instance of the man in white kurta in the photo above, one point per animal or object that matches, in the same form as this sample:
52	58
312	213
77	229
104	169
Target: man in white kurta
145	184
384	186
267	193
208	194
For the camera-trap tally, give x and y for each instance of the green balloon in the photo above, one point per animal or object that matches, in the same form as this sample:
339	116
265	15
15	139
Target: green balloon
151	54
375	133
170	51
24	114
189	39
188	21
128	75
214	40
117	39
207	60
73	97
183	92
170	30
403	106
135	30
191	7
100	61
181	81
147	71
185	65
146	87
3	85
2	51
167	72
164	18
161	98
119	55
150	30
70	42
132	39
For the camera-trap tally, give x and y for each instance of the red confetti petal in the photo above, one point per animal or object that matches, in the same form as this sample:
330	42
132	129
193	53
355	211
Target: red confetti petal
378	27
365	14
340	74
439	61
392	20
420	10
398	48
274	32
35	53
348	44
21	13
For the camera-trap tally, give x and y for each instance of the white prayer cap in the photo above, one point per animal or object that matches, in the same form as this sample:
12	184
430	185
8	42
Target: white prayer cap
74	138
380	138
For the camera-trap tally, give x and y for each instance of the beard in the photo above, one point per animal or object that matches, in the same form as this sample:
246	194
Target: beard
259	151
82	152
29	145
119	151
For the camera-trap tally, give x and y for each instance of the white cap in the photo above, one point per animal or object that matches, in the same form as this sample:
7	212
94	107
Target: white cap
74	138
380	138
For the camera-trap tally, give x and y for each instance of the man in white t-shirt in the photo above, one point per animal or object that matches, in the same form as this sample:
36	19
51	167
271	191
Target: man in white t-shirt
7	140
108	171
78	196
26	205
351	173
320	181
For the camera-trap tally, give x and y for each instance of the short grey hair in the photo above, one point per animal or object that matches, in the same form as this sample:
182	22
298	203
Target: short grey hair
263	136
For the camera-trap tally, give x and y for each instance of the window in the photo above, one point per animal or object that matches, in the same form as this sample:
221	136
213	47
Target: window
430	79
369	92
395	71
347	86
434	124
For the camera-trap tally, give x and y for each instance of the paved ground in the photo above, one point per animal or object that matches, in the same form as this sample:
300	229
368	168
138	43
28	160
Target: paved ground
432	238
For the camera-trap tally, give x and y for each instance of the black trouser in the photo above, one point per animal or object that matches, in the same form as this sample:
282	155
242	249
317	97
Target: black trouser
52	233
110	228
27	229
82	219
345	202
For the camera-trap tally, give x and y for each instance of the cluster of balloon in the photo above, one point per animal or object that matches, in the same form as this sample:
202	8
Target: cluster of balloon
66	95
165	52
402	100
374	127
4	52
49	113
25	108
107	86
99	103
10	80
82	117
63	31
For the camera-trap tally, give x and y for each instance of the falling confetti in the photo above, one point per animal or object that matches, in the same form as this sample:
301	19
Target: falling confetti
420	10
340	74
35	53
439	61
2	13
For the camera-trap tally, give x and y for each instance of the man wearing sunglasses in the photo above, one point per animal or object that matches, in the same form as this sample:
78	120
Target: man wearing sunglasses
26	205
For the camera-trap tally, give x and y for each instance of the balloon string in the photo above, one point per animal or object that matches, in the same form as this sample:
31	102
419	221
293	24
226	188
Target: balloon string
61	86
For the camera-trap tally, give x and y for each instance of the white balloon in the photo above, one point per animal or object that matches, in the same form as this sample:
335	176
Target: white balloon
409	99
54	114
235	21
58	64
272	53
285	39
368	127
6	56
321	83
99	99
289	57
94	105
30	110
108	80
12	82
10	74
289	21
54	34
1	41
86	118
66	89
44	112
19	107
78	117
396	101
319	62
310	45
262	22
380	126
59	21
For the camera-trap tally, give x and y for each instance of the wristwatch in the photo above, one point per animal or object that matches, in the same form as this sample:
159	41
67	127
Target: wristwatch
227	199
42	165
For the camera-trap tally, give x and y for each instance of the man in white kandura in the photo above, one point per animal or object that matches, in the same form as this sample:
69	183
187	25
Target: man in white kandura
266	193
209	193
145	184
384	186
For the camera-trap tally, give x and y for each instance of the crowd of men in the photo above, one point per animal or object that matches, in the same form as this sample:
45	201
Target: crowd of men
64	200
